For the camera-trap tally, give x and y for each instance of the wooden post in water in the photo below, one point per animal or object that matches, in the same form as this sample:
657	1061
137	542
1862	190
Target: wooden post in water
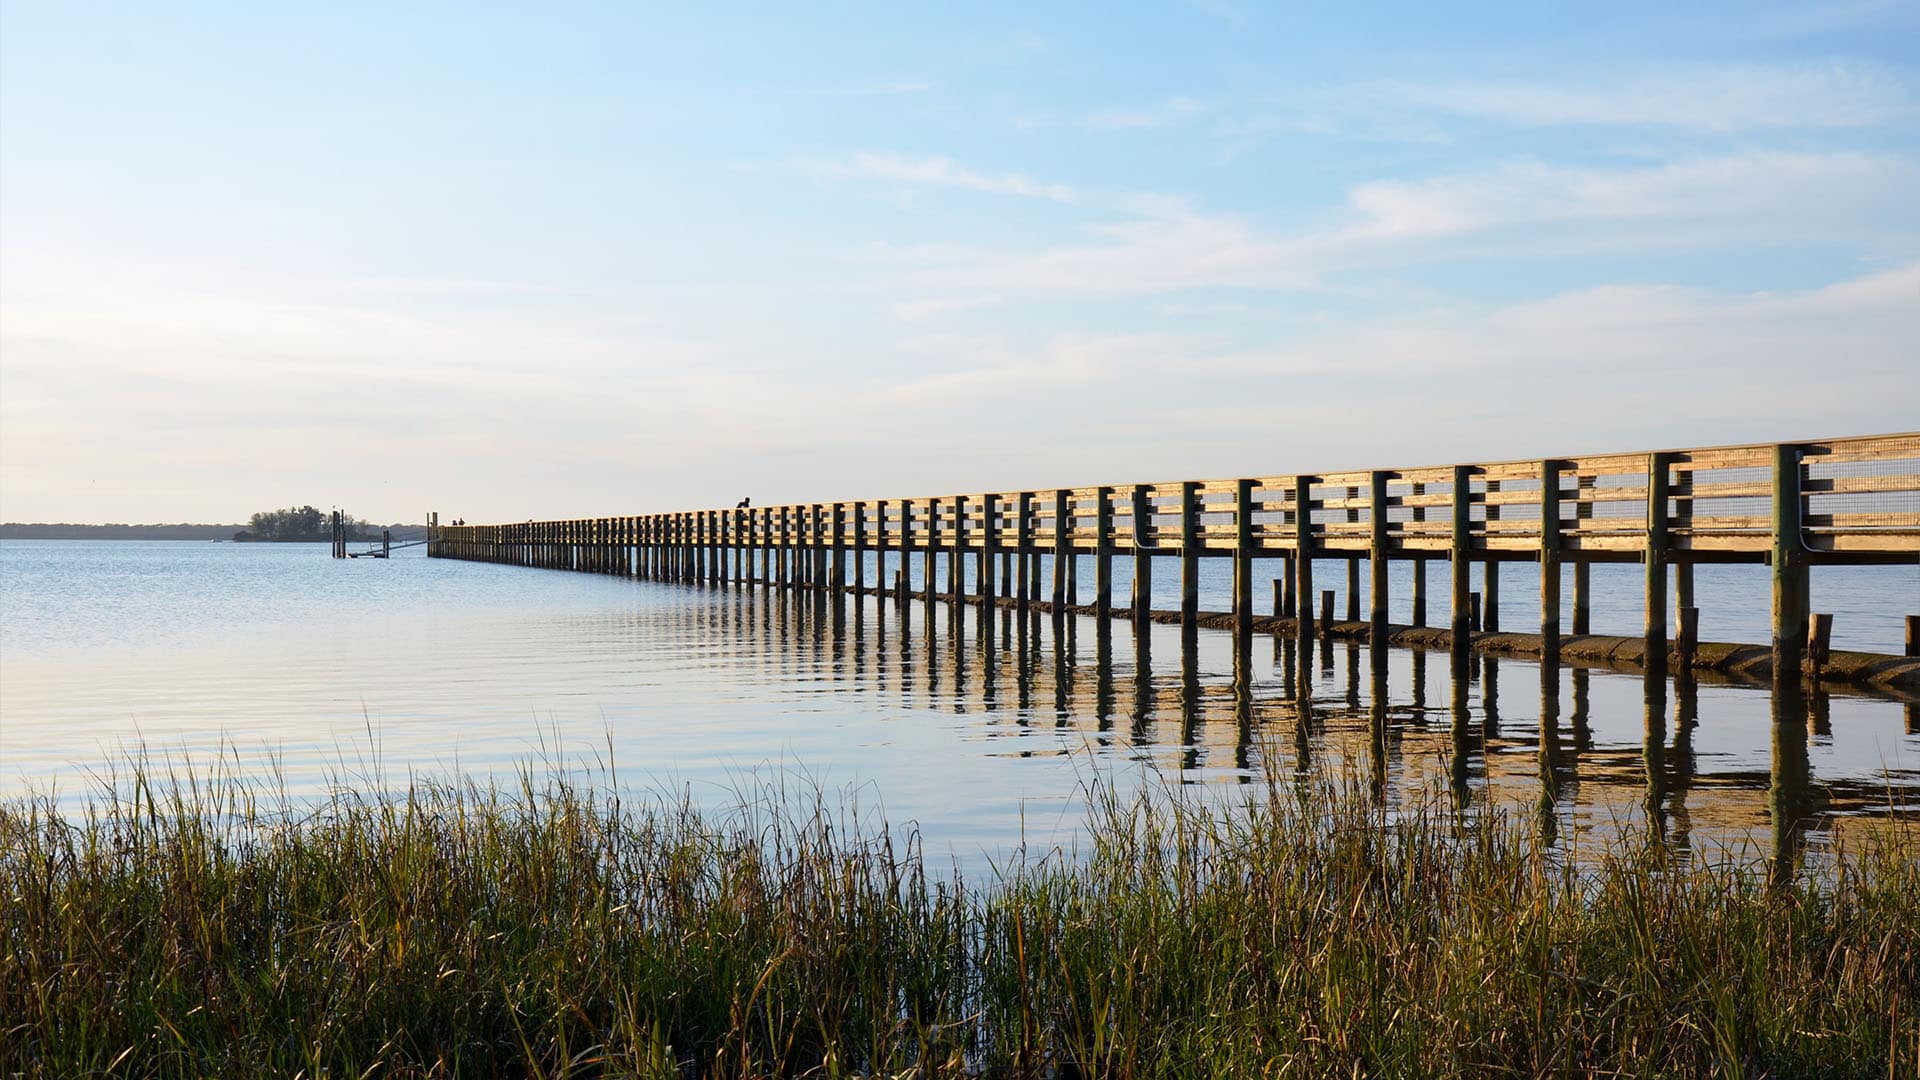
1791	599
1460	550
881	509
1819	642
1419	591
903	572
1582	591
1490	571
1062	543
1655	558
837	576
780	571
1103	552
1419	514
928	571
989	547
1682	487
1243	556
1142	557
957	554
1326	610
822	546
1189	555
1303	553
1023	545
1913	636
1490	594
1378	550
859	547
1353	588
1550	559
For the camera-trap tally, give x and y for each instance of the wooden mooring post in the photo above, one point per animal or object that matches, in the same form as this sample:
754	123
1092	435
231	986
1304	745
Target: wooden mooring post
1851	501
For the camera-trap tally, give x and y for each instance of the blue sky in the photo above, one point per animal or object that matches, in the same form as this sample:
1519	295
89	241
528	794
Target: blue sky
510	263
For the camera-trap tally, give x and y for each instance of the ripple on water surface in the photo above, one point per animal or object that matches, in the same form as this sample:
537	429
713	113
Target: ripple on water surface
978	729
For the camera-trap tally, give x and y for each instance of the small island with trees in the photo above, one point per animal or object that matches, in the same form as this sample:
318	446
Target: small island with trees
299	524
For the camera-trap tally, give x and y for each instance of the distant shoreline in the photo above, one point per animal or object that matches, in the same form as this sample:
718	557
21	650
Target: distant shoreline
66	531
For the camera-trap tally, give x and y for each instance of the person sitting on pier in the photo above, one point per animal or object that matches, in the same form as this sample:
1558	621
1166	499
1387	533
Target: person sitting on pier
742	504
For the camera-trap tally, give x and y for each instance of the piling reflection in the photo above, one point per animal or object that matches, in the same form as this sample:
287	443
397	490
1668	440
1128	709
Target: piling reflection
1460	730
1787	795
1599	750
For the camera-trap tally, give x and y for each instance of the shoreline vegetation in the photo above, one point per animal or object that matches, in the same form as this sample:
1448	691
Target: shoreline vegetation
16	530
204	924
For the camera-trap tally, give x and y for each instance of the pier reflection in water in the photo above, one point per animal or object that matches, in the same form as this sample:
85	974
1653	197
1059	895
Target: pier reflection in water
1591	751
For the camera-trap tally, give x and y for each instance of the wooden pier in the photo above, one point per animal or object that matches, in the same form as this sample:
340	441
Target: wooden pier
1790	506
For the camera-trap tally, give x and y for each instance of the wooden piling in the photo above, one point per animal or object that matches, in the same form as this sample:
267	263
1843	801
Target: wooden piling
1103	552
1654	558
1550	558
989	546
880	510
1142	499
929	572
1025	574
1582	587
1791	598
1189	554
1419	592
1490	594
957	561
1243	556
1377	552
1819	642
1062	543
839	581
1303	552
1460	551
1326	611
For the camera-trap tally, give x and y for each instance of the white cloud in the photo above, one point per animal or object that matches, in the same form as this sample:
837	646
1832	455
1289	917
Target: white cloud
935	171
1772	196
1713	98
1737	202
1174	110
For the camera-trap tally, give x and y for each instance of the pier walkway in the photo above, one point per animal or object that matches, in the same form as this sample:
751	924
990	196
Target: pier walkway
1790	506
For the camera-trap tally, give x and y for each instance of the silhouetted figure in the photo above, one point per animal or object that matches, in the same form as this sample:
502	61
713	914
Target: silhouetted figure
742	504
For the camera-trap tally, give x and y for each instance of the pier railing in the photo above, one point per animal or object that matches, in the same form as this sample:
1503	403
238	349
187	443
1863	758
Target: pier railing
1790	505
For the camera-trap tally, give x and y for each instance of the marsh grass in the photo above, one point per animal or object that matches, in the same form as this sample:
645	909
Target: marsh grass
209	925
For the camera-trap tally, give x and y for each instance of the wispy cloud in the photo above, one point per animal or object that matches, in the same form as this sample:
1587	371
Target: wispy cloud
879	88
1764	197
1156	245
1174	110
1701	97
935	171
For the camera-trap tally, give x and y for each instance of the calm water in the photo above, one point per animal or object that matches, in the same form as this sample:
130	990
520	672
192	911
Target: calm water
979	730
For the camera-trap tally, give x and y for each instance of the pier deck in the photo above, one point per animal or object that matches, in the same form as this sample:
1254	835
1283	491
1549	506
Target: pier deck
1791	506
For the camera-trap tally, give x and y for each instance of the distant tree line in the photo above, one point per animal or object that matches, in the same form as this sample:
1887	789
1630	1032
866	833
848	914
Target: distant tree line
18	530
293	523
299	523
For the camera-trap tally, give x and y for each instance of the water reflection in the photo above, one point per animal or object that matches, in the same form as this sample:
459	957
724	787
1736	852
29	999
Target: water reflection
699	682
1225	708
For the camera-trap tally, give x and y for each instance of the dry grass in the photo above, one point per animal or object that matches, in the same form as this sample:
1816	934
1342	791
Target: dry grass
203	926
